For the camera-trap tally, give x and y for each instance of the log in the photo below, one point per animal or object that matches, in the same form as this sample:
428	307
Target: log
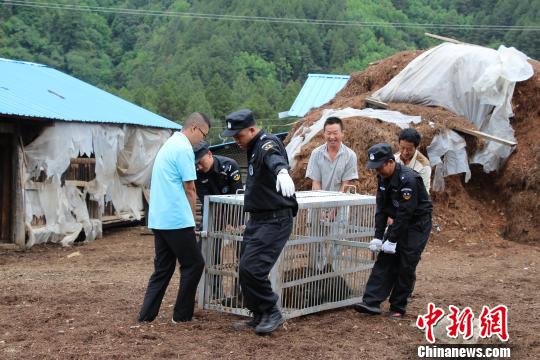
79	183
376	103
83	161
485	136
444	38
18	197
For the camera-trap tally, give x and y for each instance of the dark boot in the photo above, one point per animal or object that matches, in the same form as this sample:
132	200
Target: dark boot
249	324
367	309
270	321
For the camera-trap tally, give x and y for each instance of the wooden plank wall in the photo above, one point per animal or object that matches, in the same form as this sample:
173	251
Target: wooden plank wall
6	176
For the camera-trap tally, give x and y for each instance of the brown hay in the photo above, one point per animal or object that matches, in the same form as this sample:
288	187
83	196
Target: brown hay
520	179
461	207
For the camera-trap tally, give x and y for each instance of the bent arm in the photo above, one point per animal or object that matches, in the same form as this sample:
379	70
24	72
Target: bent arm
191	194
344	185
315	185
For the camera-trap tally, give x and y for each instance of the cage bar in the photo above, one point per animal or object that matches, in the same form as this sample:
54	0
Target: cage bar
324	264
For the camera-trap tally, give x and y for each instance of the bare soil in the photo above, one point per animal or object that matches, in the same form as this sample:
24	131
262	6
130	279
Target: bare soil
82	302
57	306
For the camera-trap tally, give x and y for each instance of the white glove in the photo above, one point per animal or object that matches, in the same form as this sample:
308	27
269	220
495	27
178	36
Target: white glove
284	183
375	244
389	247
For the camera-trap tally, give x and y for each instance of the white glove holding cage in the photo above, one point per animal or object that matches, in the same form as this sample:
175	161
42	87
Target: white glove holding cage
284	183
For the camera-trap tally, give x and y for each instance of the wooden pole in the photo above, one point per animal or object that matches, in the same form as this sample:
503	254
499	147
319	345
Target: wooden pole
19	166
485	136
5	187
444	38
376	103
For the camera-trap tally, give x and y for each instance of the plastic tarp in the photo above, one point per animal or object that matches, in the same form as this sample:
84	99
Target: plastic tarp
451	146
304	134
124	157
468	80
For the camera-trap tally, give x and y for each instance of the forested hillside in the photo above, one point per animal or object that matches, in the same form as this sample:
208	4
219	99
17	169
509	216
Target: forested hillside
160	57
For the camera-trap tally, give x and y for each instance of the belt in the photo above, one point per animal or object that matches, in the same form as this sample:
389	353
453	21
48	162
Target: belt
267	215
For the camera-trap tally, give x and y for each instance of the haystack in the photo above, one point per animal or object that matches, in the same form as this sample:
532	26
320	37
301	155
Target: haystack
504	202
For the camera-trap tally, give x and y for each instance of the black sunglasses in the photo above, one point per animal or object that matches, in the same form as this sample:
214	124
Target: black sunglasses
202	132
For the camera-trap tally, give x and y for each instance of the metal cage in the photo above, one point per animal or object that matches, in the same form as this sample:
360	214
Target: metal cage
324	264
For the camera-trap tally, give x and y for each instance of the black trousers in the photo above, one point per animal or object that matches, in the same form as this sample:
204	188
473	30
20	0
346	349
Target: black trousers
170	246
262	244
394	275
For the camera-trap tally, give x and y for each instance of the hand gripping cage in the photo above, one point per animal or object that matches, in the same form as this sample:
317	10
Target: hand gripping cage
324	264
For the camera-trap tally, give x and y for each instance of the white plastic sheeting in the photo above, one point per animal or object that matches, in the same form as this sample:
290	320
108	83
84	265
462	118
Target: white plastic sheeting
471	81
304	134
451	146
124	157
66	214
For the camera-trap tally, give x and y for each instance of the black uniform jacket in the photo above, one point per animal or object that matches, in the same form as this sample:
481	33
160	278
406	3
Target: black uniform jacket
224	178
266	157
404	198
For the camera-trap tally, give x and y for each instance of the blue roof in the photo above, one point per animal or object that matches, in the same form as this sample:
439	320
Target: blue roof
317	90
281	135
39	91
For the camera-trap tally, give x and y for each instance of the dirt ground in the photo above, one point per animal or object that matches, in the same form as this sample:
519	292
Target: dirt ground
57	306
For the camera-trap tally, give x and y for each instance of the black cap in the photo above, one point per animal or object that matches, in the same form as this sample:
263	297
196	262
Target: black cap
237	121
378	154
200	150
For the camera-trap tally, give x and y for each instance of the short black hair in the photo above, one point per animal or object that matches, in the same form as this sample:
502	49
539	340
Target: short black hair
198	118
410	135
333	120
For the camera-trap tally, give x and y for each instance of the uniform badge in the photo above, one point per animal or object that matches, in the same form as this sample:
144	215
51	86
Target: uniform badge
236	177
229	125
371	157
395	203
406	193
225	190
267	146
250	170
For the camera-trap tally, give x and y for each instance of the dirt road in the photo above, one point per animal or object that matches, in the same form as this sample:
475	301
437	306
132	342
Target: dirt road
57	306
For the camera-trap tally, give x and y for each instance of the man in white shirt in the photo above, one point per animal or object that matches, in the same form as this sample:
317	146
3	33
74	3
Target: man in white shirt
332	166
409	139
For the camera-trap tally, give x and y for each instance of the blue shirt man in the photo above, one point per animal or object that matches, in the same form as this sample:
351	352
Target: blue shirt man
171	217
174	164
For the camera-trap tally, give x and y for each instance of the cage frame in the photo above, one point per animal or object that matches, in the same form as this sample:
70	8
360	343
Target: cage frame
307	201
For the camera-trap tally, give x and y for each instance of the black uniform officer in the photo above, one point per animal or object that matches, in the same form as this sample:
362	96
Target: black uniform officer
216	175
402	197
269	198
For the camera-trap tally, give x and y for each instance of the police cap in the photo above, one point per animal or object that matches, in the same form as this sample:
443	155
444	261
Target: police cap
237	121
378	154
200	150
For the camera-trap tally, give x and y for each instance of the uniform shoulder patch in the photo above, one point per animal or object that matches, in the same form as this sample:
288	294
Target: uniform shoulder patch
267	145
406	193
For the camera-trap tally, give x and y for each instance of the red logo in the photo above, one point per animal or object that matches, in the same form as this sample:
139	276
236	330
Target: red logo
429	320
492	322
460	322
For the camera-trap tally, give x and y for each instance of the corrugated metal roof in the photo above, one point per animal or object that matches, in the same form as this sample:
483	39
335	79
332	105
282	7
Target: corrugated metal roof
35	90
281	135
317	90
